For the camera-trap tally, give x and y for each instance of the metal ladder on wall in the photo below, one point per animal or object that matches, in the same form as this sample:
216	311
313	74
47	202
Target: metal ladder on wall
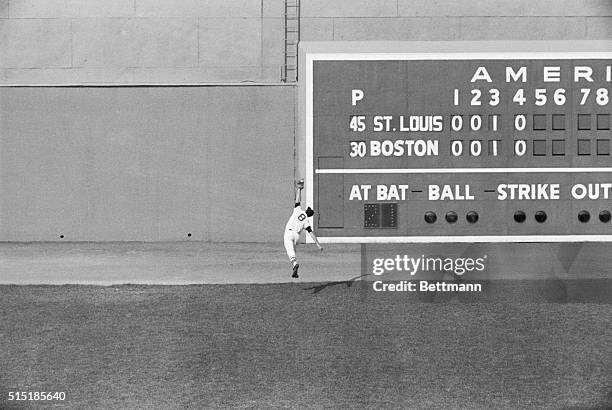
292	38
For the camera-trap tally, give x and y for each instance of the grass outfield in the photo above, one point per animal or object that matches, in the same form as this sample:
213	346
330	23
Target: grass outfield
299	345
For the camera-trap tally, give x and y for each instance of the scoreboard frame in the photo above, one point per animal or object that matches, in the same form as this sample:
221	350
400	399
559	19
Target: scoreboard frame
309	52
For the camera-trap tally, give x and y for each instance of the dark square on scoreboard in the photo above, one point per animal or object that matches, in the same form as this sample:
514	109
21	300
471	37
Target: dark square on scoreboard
558	147
539	148
584	147
584	122
371	215
603	121
389	216
539	122
558	122
603	146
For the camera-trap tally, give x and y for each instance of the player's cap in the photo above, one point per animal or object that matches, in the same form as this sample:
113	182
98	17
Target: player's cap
309	212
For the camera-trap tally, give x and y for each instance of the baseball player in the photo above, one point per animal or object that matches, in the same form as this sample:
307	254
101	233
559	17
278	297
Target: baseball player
296	223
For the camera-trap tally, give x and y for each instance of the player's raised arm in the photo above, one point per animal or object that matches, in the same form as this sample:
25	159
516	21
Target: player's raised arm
299	185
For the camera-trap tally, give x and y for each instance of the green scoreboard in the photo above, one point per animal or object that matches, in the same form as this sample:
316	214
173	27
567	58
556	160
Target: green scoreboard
457	141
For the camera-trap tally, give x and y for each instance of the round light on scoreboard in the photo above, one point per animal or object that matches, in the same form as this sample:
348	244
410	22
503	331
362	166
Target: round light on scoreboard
451	217
520	217
430	217
540	217
604	216
472	217
584	216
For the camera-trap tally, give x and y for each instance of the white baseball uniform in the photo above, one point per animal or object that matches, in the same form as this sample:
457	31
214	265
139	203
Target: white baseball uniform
296	224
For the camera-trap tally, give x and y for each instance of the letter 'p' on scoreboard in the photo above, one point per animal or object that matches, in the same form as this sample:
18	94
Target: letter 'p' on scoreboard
457	141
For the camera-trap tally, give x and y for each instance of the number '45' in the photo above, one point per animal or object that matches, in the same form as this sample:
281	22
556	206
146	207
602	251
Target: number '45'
357	123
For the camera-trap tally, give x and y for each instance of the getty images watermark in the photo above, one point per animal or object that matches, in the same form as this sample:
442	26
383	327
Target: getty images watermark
456	268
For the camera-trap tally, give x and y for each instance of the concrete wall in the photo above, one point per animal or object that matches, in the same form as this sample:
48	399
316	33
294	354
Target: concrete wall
170	41
396	20
127	41
146	163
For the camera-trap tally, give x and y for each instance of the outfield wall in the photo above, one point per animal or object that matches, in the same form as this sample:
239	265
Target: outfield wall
126	163
146	163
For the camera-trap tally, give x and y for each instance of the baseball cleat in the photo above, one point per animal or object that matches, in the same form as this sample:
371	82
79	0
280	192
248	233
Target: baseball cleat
295	270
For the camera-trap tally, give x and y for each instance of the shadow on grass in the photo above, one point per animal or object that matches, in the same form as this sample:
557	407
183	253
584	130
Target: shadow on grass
348	283
606	404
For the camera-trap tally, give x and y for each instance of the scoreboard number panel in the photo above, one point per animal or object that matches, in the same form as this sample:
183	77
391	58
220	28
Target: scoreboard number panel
458	142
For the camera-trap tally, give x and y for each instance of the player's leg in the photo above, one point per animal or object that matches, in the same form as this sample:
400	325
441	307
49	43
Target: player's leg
289	241
290	248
